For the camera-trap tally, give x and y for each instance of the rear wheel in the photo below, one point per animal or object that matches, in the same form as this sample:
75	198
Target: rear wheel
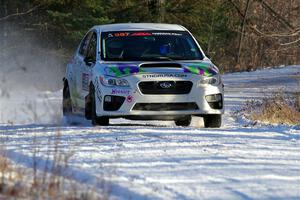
185	121
67	102
212	121
101	121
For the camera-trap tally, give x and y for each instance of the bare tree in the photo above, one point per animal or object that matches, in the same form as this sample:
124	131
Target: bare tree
242	31
18	14
269	36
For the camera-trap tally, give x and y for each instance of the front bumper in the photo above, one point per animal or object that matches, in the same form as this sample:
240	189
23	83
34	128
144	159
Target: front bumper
132	103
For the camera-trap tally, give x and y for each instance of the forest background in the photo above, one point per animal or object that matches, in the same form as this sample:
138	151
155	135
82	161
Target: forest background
238	35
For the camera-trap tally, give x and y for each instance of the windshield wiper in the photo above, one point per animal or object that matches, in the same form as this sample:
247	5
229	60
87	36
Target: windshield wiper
165	58
159	58
142	59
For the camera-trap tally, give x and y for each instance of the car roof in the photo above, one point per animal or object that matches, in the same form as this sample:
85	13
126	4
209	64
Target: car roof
138	27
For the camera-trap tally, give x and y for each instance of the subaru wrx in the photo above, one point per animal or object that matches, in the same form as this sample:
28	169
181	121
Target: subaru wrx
142	71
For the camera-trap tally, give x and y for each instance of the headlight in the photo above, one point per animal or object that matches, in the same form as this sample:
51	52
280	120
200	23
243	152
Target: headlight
213	80
109	81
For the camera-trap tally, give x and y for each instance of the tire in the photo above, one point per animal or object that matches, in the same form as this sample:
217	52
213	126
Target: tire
96	121
212	121
67	101
185	121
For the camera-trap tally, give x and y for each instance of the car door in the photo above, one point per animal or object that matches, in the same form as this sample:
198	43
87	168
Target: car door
86	67
79	65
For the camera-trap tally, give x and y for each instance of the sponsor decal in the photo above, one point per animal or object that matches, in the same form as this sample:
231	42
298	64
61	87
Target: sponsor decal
98	90
166	33
200	69
167	75
120	91
141	34
121	34
85	81
123	70
129	99
126	34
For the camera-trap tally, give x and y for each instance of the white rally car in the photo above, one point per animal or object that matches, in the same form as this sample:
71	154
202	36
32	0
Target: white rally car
142	71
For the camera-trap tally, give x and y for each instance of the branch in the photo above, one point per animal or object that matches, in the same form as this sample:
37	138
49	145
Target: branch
292	34
289	43
237	8
22	13
253	26
276	15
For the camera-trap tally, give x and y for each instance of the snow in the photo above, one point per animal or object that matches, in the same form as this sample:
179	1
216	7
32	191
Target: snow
157	160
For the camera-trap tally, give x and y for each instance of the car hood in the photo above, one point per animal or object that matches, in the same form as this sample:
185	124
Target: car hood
200	68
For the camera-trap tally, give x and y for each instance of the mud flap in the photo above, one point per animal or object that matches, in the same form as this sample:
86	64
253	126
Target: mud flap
88	107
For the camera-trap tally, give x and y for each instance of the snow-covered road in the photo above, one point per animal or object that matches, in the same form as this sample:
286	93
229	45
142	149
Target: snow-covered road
157	160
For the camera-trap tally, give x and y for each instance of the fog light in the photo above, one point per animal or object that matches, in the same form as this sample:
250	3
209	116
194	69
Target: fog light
107	99
213	98
215	101
113	103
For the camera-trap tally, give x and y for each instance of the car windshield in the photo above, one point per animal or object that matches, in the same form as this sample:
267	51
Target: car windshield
149	46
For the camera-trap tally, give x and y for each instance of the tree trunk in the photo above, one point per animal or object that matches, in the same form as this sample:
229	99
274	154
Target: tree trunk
242	30
161	10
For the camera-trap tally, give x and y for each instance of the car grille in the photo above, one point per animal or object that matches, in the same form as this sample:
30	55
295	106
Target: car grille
166	87
165	106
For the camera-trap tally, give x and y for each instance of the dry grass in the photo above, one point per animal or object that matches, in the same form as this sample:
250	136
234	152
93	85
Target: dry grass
10	185
16	184
278	108
52	182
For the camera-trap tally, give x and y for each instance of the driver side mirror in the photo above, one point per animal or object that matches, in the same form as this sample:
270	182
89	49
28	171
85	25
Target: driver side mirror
89	61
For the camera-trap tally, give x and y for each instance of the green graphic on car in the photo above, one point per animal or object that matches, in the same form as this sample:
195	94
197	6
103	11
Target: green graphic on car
121	70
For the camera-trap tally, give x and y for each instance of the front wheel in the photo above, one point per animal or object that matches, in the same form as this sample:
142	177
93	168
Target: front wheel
212	121
100	121
185	121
